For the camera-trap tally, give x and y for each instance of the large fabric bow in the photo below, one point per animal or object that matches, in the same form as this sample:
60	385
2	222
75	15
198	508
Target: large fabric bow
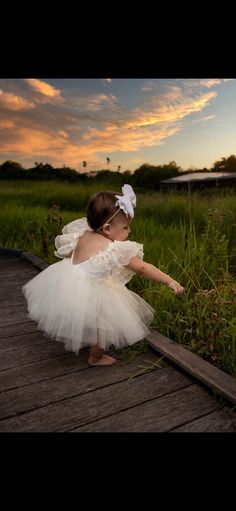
127	201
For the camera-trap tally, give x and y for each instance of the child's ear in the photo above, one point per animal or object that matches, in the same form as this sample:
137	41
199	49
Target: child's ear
106	228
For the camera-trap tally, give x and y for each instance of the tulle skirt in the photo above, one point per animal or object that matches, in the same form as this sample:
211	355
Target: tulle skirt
72	307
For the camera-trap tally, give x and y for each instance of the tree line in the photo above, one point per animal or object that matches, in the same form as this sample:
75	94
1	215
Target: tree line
145	176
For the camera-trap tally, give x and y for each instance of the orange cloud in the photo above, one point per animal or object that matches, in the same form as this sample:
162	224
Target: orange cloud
210	82
43	87
6	124
10	101
169	113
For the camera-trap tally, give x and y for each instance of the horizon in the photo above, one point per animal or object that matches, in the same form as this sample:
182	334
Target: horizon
131	122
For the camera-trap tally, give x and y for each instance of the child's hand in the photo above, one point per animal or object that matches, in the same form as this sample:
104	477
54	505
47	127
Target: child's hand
176	287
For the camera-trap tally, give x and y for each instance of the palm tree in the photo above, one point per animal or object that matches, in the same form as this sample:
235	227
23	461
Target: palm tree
119	168
108	161
84	164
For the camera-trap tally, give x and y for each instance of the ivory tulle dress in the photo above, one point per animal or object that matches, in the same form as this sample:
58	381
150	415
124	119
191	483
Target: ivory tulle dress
88	303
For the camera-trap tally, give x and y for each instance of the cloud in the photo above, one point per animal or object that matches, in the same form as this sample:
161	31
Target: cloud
149	86
203	119
94	102
9	101
84	127
43	88
172	109
210	83
5	124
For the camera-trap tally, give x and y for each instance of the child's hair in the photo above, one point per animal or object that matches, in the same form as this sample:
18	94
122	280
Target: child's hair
100	208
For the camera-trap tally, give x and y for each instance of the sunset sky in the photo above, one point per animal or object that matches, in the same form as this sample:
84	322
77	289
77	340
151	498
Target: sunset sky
130	121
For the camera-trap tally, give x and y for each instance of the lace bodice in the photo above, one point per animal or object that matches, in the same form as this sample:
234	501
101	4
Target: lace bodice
110	262
107	263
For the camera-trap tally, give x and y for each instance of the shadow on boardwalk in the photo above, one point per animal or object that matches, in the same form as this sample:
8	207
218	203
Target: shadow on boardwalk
45	388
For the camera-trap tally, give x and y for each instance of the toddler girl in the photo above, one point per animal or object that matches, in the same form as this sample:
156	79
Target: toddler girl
82	300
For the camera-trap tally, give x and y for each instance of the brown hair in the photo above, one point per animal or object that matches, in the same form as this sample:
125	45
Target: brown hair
100	208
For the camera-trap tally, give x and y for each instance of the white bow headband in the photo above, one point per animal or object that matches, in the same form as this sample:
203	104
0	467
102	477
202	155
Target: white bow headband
126	202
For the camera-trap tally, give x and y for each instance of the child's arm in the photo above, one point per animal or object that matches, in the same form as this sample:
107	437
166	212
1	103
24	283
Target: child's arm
150	272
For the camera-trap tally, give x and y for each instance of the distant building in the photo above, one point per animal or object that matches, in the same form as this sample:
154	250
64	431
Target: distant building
200	181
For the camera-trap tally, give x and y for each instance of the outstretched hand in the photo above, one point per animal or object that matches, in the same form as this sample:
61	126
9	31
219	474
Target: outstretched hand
176	288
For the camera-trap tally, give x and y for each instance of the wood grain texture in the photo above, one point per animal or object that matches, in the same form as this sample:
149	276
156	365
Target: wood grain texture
194	365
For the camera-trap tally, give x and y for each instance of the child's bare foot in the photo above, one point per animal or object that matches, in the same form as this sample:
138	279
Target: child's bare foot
104	360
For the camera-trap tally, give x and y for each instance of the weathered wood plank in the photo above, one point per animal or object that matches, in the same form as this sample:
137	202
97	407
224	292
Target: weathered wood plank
9	251
42	370
76	383
19	307
222	420
16	342
14	267
77	411
9	293
15	284
157	415
17	328
15	301
35	260
197	367
13	314
28	354
8	264
17	276
11	254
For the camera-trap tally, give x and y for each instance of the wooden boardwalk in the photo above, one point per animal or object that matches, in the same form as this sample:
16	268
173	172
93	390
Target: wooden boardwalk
47	389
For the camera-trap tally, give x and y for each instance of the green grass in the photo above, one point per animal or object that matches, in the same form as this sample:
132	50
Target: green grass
190	237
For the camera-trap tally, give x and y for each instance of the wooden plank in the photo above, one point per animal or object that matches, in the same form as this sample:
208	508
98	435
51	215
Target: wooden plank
15	301
17	280
42	370
17	329
77	411
158	415
63	387
17	273
28	354
223	420
11	291
35	260
14	263
10	296
16	342
12	288
16	314
194	365
9	251
14	309
11	254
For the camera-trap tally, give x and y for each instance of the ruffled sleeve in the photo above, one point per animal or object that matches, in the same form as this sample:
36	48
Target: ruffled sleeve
111	262
124	251
120	256
66	242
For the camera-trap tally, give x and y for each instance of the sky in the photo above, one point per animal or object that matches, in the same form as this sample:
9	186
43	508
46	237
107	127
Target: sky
130	121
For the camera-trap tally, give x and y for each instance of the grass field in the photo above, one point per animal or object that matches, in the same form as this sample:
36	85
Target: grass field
192	237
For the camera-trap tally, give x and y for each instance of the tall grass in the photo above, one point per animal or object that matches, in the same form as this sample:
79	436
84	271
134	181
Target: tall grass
190	237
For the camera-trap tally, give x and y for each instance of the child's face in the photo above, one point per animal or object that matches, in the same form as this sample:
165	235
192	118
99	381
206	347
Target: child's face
118	229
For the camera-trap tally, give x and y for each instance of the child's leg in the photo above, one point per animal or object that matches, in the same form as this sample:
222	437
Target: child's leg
97	357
